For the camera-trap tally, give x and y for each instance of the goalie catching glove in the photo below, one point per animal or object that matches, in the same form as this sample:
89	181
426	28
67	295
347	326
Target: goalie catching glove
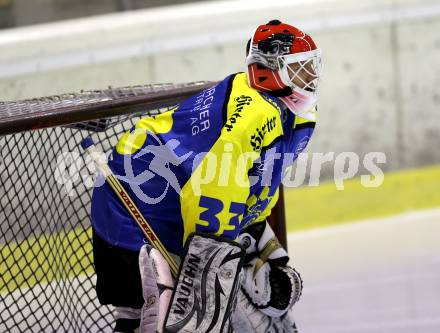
269	284
248	319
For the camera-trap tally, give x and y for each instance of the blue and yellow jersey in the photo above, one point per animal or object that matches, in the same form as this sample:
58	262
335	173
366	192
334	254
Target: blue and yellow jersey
213	164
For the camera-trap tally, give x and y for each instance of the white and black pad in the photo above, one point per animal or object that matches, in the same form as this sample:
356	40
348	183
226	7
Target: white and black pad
207	285
248	319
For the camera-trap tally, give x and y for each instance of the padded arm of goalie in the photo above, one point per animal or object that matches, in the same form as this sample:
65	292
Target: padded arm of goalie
260	241
270	285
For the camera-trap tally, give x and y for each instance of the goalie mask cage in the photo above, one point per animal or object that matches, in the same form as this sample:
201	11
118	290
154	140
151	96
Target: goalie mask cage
46	263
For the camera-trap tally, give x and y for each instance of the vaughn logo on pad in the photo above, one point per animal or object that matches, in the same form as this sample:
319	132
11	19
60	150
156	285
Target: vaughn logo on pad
206	286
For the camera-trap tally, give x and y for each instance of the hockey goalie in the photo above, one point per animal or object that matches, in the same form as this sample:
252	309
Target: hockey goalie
205	176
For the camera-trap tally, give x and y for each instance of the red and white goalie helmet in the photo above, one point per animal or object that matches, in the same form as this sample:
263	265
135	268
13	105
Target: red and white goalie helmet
285	62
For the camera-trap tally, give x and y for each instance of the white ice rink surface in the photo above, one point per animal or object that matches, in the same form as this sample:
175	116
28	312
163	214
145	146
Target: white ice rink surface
374	276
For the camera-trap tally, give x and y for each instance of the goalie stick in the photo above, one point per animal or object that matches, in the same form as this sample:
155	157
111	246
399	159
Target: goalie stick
88	145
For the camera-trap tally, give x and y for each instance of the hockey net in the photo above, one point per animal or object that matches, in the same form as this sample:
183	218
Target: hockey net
46	263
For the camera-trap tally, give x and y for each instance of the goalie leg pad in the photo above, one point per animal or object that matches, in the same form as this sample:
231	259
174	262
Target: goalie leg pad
127	319
157	286
207	285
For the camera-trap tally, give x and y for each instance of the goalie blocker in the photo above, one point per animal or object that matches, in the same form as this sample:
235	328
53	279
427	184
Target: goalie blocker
207	285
